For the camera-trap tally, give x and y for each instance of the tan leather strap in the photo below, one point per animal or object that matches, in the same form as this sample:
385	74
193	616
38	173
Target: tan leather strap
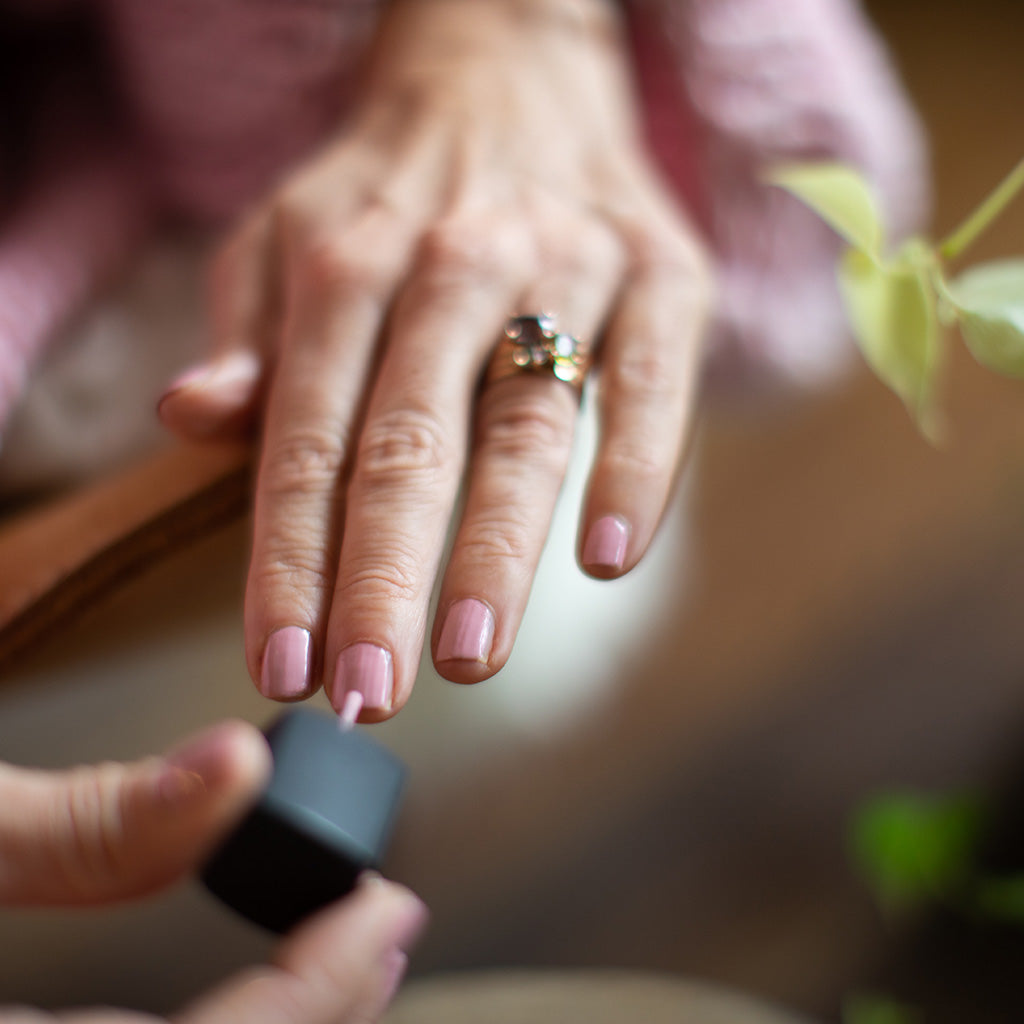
56	560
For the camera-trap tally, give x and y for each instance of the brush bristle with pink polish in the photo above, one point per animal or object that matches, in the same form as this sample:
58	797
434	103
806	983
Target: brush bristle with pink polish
350	709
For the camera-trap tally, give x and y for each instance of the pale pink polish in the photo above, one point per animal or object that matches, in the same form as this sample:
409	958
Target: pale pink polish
286	664
467	633
396	963
235	369
605	546
367	668
188	377
350	709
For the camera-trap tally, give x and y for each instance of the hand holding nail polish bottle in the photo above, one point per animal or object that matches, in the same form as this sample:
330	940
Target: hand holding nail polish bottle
325	817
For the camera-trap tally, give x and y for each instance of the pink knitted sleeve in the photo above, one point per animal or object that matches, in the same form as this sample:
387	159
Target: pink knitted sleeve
731	87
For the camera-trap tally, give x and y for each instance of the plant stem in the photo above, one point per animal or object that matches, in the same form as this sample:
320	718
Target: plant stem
983	216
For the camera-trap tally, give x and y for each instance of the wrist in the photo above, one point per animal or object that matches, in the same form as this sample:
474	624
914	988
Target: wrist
452	30
452	48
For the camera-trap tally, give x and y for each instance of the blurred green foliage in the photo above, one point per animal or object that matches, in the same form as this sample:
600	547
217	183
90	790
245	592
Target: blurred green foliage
898	302
916	849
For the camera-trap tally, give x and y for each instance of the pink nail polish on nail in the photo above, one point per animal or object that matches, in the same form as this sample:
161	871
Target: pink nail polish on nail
396	963
467	633
195	765
367	668
286	664
605	547
408	926
188	377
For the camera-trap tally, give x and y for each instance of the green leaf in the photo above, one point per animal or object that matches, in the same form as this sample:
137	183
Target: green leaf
869	1009
913	849
839	195
1002	899
892	311
989	304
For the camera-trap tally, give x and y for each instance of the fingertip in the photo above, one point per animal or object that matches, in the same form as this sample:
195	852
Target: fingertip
285	674
215	400
605	547
229	758
465	673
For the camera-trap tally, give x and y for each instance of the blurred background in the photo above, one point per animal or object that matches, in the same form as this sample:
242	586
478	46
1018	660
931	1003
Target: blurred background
834	610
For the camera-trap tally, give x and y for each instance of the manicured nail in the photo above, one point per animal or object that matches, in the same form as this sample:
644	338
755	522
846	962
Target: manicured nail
233	368
605	546
467	633
286	664
396	963
367	668
194	766
408	925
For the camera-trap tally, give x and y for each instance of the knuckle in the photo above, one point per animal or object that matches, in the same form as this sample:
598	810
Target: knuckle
461	251
341	266
90	827
501	537
531	432
675	254
291	570
583	252
402	444
648	379
305	459
397	578
635	459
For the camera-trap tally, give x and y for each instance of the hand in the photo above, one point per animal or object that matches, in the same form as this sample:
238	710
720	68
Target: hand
114	832
493	167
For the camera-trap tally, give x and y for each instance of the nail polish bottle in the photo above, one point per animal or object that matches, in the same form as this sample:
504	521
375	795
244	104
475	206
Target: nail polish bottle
325	817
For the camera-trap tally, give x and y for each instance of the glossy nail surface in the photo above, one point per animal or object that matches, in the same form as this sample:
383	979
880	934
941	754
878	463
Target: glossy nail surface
367	668
605	546
467	633
286	664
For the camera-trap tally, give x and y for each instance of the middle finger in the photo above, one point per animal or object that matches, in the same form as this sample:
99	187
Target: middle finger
410	456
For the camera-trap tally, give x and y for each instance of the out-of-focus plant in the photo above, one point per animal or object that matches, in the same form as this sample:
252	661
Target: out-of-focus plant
919	850
916	850
898	302
871	1009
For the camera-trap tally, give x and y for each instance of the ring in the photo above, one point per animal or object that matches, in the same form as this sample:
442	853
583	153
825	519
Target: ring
534	345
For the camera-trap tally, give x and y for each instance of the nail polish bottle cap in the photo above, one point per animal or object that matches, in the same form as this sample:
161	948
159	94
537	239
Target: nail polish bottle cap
325	817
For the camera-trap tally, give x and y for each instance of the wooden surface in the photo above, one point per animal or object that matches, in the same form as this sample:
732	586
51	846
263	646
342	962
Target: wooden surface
62	558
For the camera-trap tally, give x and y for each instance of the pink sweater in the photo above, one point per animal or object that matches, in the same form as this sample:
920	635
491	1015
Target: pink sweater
226	95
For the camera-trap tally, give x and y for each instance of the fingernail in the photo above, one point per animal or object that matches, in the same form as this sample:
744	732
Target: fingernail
196	766
285	672
367	668
396	963
233	368
408	924
605	546
467	633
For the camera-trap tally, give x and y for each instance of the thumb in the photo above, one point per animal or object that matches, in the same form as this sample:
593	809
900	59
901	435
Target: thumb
117	831
215	400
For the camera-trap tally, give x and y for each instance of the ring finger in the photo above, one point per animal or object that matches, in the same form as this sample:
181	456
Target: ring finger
522	444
